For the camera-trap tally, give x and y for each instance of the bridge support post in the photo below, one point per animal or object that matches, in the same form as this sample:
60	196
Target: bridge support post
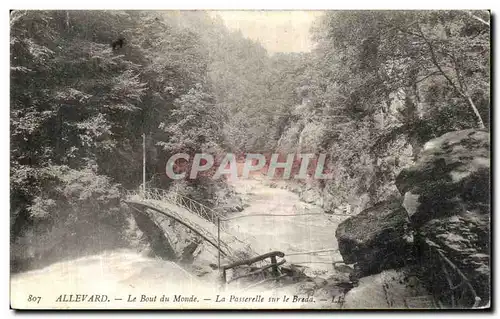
276	272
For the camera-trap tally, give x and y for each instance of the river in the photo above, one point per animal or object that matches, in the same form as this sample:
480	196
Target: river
276	219
123	274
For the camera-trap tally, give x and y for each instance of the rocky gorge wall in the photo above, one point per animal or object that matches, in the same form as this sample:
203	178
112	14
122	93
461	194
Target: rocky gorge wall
369	179
444	209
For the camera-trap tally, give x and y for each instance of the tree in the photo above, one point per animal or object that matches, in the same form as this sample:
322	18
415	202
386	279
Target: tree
79	108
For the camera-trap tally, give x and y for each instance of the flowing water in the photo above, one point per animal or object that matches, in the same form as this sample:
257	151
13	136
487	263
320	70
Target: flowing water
276	219
122	274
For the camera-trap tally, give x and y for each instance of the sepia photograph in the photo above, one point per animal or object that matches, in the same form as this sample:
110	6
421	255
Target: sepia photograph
250	159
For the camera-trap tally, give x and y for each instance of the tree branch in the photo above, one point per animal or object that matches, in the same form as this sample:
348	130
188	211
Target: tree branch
478	19
437	65
427	76
441	71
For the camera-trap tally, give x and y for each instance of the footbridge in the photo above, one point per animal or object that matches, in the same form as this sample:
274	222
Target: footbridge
199	218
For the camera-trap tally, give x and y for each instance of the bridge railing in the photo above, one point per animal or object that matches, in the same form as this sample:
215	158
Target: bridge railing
177	199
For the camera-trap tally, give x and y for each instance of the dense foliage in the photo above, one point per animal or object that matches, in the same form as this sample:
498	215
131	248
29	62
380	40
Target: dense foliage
78	111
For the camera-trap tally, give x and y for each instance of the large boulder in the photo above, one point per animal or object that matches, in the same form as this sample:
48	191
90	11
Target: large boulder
378	238
447	195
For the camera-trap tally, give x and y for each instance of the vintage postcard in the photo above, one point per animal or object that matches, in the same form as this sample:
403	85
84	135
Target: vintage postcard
250	159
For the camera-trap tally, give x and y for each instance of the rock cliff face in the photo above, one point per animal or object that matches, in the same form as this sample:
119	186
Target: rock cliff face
450	177
446	200
357	184
447	195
